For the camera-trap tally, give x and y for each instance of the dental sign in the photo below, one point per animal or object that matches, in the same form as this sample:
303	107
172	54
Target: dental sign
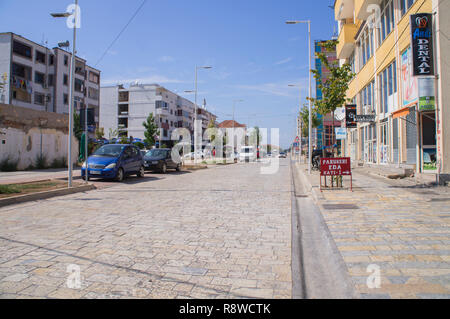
422	44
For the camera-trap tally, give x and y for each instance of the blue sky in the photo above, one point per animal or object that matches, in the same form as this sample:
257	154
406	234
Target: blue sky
254	54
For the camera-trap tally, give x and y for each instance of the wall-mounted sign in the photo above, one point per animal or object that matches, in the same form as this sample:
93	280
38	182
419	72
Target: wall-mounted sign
422	43
426	94
341	133
350	115
365	118
409	81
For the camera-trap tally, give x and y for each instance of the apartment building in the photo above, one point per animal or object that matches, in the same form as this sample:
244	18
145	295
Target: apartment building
400	129
38	78
125	109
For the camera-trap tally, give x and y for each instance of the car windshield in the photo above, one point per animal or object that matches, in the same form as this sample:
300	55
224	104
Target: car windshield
109	150
156	153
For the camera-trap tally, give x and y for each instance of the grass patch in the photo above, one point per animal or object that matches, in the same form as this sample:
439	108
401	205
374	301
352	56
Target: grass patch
8	189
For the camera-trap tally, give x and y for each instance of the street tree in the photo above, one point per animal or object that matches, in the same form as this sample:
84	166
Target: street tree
335	86
304	116
151	130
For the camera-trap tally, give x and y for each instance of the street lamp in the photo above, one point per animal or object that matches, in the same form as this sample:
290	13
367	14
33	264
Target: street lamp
195	108
72	82
299	119
310	91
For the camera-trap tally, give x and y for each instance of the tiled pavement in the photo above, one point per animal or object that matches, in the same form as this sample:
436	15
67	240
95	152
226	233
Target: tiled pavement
218	233
402	229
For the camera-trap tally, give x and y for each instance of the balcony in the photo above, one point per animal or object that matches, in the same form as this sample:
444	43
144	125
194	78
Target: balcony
343	9
162	111
362	6
346	40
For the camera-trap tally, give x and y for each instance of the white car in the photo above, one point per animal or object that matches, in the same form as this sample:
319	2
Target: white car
248	154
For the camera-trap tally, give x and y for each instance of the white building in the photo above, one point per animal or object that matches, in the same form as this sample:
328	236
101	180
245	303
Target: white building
37	77
125	110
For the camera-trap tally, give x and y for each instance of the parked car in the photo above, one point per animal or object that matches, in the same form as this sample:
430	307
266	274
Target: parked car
160	160
282	155
248	154
114	161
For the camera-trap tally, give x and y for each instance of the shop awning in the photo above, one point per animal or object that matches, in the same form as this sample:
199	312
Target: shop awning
400	113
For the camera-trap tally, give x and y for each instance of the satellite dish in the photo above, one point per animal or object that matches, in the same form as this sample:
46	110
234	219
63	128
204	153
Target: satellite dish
339	114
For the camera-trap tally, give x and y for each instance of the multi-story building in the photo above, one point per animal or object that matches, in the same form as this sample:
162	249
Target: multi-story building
125	109
375	38
37	77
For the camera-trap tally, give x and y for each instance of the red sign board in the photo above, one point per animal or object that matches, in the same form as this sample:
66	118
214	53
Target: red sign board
335	166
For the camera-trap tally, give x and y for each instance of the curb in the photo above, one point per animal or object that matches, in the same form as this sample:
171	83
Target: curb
316	194
45	195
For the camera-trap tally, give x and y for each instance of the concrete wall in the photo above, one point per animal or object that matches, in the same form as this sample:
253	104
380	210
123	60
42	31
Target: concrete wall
109	97
5	63
26	133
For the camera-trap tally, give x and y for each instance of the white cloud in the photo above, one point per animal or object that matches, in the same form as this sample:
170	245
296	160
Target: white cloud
166	59
277	89
287	60
159	79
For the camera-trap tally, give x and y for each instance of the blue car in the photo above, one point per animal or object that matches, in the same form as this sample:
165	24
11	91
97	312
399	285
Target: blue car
114	161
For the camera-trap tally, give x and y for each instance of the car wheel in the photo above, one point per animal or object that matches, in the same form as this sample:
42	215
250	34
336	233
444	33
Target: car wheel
178	168
120	175
164	168
141	172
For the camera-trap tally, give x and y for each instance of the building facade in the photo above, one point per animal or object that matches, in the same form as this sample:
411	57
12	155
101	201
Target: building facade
125	109
375	39
38	78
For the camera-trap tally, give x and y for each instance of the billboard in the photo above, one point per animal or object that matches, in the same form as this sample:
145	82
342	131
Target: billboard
409	82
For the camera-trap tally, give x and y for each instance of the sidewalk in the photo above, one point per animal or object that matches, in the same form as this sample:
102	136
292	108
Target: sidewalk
397	225
36	175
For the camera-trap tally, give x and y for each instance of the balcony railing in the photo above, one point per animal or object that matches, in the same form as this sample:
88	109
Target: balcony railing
346	40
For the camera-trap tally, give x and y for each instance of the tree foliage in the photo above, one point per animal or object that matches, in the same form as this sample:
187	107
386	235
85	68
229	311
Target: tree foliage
77	128
304	116
335	86
151	130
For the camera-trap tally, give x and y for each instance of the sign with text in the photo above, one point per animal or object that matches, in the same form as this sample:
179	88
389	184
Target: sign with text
341	133
350	116
422	43
335	166
426	94
365	118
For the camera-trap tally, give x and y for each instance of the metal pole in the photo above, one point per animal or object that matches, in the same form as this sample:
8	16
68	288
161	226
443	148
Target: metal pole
310	106
86	140
195	120
299	123
71	106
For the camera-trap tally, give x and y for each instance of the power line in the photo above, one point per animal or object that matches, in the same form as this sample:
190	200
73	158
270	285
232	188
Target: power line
120	33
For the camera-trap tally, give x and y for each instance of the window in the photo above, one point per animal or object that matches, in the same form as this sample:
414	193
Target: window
93	93
21	71
66	99
388	80
39	78
39	98
66	60
387	20
405	5
366	46
51	59
94	77
66	79
22	49
79	85
51	78
40	57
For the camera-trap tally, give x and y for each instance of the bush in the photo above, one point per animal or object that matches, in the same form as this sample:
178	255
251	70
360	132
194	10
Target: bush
8	165
59	163
40	162
140	145
7	189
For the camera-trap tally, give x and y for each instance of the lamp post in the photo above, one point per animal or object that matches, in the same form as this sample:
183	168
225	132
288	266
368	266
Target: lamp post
310	91
72	82
196	108
299	118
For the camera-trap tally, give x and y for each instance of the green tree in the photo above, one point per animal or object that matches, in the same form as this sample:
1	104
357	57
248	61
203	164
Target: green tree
112	133
255	136
304	115
334	87
99	133
151	130
77	128
212	125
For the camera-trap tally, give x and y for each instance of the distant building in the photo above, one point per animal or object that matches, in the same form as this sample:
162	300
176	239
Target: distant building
324	134
37	77
125	109
231	124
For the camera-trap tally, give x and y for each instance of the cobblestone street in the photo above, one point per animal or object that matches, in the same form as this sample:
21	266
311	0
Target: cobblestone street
224	232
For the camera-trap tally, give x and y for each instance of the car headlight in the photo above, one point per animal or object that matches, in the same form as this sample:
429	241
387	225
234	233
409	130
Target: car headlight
110	166
84	165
